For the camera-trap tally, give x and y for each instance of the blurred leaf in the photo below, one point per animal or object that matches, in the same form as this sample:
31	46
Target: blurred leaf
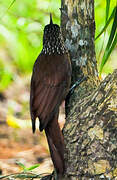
7	9
21	165
5	78
11	4
107	53
25	169
32	167
113	30
111	42
107	9
107	23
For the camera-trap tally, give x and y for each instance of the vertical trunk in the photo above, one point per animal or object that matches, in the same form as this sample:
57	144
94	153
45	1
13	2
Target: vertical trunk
78	29
90	150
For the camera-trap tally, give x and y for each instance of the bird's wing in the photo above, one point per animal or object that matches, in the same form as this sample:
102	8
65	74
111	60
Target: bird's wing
49	83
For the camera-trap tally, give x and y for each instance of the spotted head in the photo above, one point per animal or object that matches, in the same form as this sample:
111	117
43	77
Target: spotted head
52	39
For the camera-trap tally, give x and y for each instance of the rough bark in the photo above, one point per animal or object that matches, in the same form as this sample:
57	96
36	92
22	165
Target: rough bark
78	27
90	131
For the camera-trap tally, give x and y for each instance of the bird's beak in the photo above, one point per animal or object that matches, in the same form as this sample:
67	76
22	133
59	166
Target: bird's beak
51	22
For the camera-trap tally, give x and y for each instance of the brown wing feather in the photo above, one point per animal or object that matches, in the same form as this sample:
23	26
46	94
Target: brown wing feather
48	87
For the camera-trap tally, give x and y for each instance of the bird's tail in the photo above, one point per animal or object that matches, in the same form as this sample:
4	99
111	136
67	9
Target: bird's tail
56	144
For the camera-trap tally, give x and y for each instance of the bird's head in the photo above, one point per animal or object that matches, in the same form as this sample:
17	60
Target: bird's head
52	39
51	30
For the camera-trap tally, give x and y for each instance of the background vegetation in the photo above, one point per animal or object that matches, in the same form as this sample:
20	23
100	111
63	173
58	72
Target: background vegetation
21	28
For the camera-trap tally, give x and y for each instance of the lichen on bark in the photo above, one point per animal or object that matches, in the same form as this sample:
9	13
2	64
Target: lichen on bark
79	40
90	131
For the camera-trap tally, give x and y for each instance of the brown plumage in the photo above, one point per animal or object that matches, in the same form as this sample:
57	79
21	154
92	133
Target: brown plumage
49	86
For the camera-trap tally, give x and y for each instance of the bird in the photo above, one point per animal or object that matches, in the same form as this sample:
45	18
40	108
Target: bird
50	83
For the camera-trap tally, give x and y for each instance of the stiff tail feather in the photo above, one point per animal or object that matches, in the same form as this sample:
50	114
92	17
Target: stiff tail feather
56	144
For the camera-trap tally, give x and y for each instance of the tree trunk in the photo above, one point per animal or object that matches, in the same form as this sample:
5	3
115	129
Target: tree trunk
90	131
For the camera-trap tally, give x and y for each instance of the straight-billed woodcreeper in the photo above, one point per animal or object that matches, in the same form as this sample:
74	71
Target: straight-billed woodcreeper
50	84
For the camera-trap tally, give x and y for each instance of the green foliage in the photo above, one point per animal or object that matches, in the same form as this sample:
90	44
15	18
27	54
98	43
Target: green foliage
112	41
21	28
108	21
5	79
25	174
25	169
109	31
107	9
